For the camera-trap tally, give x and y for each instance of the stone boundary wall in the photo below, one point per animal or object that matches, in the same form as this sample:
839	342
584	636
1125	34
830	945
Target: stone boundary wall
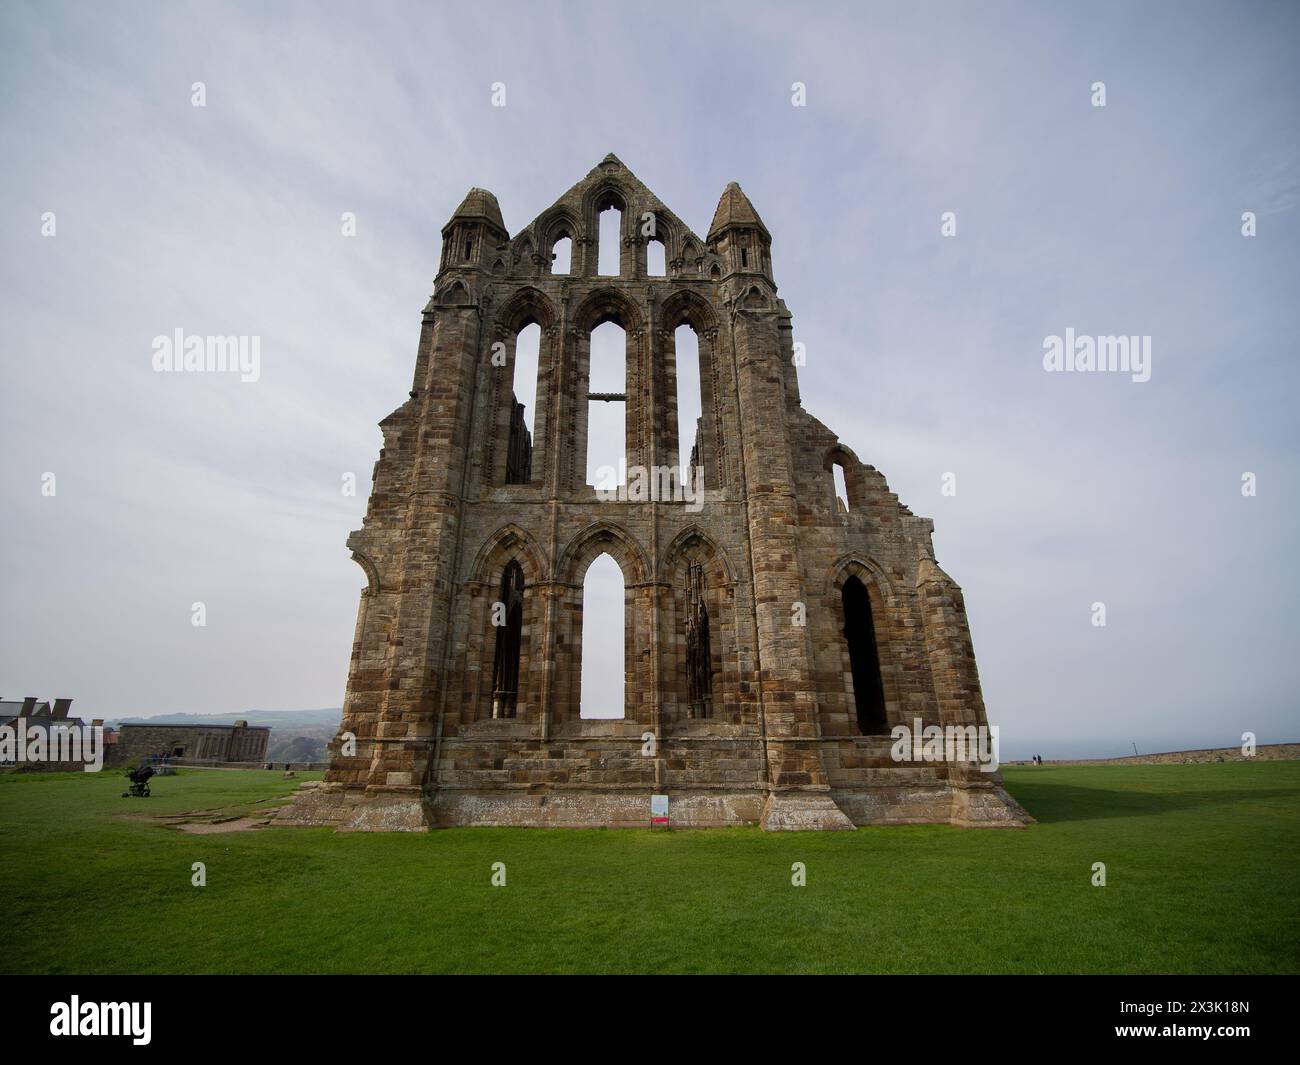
226	744
1265	752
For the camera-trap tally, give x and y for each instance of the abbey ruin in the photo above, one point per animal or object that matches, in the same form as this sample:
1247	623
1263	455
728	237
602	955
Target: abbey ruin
773	632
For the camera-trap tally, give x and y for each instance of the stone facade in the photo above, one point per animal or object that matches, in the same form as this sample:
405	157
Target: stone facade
239	742
826	625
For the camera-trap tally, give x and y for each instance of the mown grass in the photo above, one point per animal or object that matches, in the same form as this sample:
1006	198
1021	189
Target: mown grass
1202	867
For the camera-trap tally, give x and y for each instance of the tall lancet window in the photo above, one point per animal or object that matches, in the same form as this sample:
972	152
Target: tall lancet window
609	245
508	619
607	407
699	658
690	406
864	658
603	675
523	405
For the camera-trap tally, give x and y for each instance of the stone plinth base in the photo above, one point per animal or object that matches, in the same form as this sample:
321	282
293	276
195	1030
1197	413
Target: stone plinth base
586	809
974	805
317	804
987	806
802	811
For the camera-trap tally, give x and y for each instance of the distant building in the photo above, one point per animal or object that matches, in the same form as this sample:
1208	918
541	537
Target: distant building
50	719
38	715
239	742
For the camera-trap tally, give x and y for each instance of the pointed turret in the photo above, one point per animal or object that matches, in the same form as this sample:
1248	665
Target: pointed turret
739	236
479	203
734	209
474	232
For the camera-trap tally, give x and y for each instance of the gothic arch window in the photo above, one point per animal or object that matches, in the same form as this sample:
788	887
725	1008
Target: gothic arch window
845	483
715	272
455	294
608	249
609	207
691	409
517	387
690	404
841	487
656	258
601	694
607	406
508	620
523	252
523	410
864	658
562	255
689	256
699	654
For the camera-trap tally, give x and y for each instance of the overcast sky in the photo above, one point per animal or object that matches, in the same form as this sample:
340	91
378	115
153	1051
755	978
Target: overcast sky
924	352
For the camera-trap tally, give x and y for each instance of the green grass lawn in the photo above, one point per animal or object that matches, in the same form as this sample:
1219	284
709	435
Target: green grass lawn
1202	866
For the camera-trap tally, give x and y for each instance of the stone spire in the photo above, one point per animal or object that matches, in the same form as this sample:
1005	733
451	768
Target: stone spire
734	209
474	233
479	203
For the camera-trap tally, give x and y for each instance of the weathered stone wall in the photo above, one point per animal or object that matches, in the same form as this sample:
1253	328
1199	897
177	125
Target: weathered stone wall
198	743
781	741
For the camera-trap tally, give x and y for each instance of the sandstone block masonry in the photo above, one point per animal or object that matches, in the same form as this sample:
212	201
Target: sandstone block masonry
773	632
239	742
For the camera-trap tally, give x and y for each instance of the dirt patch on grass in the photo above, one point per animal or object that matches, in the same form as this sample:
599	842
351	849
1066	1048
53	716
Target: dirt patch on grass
225	824
205	822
